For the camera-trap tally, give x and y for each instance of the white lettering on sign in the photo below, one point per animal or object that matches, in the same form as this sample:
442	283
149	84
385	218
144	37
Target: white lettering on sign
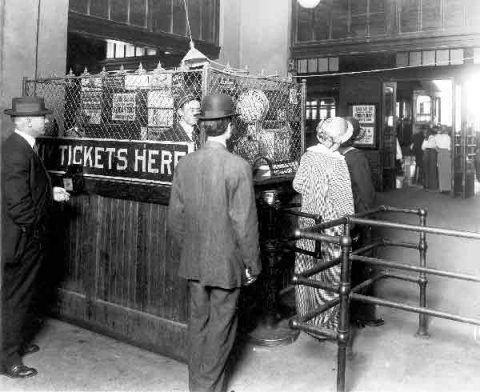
122	156
151	161
98	158
140	157
166	162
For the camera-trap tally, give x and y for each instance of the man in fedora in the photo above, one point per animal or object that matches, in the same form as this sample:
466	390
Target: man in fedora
212	218
27	194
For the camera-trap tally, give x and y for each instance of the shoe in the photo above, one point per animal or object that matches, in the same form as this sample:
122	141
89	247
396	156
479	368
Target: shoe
374	323
30	349
18	370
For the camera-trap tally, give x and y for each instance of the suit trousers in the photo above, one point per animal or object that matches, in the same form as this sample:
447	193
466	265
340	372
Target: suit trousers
19	289
363	311
212	330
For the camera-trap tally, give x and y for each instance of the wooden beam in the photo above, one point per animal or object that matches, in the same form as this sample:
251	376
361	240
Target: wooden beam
400	44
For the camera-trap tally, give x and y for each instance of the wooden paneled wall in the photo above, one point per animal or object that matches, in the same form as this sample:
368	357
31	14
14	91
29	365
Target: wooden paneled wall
118	273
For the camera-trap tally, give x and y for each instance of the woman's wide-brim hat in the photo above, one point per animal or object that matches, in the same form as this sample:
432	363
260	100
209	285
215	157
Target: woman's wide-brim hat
217	106
336	129
27	107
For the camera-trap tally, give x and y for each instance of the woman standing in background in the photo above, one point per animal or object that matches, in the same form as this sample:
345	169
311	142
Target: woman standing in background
443	142
429	147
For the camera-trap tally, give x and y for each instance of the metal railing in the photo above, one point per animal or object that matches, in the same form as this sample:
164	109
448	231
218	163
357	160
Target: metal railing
346	293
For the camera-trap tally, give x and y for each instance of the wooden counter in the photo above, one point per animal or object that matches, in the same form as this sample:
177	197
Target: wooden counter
115	269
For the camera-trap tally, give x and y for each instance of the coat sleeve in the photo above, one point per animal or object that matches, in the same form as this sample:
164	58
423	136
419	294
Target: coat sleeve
17	192
175	217
340	190
243	215
301	176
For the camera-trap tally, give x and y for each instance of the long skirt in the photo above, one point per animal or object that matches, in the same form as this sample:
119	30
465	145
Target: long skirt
307	298
444	170
430	173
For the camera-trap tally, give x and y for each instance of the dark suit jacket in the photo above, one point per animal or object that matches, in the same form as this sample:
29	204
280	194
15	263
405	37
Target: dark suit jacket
27	196
212	217
363	189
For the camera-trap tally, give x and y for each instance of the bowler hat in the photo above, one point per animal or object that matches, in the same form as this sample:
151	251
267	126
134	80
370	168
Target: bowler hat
217	106
28	106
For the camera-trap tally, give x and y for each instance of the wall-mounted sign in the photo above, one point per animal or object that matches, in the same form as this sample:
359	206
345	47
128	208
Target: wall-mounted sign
366	116
91	104
160	108
129	160
364	113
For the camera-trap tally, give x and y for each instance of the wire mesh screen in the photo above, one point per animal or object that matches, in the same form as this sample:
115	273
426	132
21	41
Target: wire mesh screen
145	106
269	122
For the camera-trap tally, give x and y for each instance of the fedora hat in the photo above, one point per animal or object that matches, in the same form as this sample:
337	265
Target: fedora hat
28	106
217	106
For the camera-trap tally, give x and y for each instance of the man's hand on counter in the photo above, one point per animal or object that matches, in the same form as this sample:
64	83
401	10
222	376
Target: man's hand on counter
60	194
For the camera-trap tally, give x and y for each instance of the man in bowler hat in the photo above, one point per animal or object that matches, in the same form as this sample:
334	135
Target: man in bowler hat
212	219
27	194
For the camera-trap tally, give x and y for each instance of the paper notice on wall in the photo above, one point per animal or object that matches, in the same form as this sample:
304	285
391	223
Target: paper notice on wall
364	113
124	107
133	82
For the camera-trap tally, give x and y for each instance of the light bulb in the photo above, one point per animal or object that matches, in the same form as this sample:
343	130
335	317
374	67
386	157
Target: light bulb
308	3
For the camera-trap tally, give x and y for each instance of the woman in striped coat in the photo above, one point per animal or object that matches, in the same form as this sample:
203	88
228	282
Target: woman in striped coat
324	183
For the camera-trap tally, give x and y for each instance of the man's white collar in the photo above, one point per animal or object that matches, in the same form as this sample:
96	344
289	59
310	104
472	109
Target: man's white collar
30	139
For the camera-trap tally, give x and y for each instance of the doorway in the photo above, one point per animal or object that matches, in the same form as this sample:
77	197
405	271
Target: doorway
435	107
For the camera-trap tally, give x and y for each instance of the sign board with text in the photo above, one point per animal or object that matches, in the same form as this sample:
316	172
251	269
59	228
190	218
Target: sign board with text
128	160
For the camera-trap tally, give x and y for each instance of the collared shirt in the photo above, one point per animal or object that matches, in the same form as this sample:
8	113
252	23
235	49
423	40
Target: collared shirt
443	141
429	143
187	128
30	139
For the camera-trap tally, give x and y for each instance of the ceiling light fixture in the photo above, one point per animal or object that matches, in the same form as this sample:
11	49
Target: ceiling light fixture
194	58
308	3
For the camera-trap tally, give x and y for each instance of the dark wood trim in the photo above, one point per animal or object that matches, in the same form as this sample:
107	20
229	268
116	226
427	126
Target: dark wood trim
406	42
105	29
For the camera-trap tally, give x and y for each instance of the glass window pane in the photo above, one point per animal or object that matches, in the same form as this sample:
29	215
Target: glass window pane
359	25
455	9
431	15
195	17
209	20
119	10
408	15
377	24
78	6
138	9
304	24
179	18
321	24
340	19
359	7
161	15
99	8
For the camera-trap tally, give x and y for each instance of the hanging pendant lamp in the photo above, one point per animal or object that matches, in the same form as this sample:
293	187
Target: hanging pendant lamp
308	3
194	58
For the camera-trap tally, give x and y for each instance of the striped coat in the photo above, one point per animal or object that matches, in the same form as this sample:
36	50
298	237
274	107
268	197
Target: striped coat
324	183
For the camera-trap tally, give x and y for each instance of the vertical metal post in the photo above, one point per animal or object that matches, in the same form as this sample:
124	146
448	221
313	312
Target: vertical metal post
24	86
303	106
344	322
422	246
205	87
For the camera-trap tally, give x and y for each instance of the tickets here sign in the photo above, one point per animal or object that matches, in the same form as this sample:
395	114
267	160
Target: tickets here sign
117	159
